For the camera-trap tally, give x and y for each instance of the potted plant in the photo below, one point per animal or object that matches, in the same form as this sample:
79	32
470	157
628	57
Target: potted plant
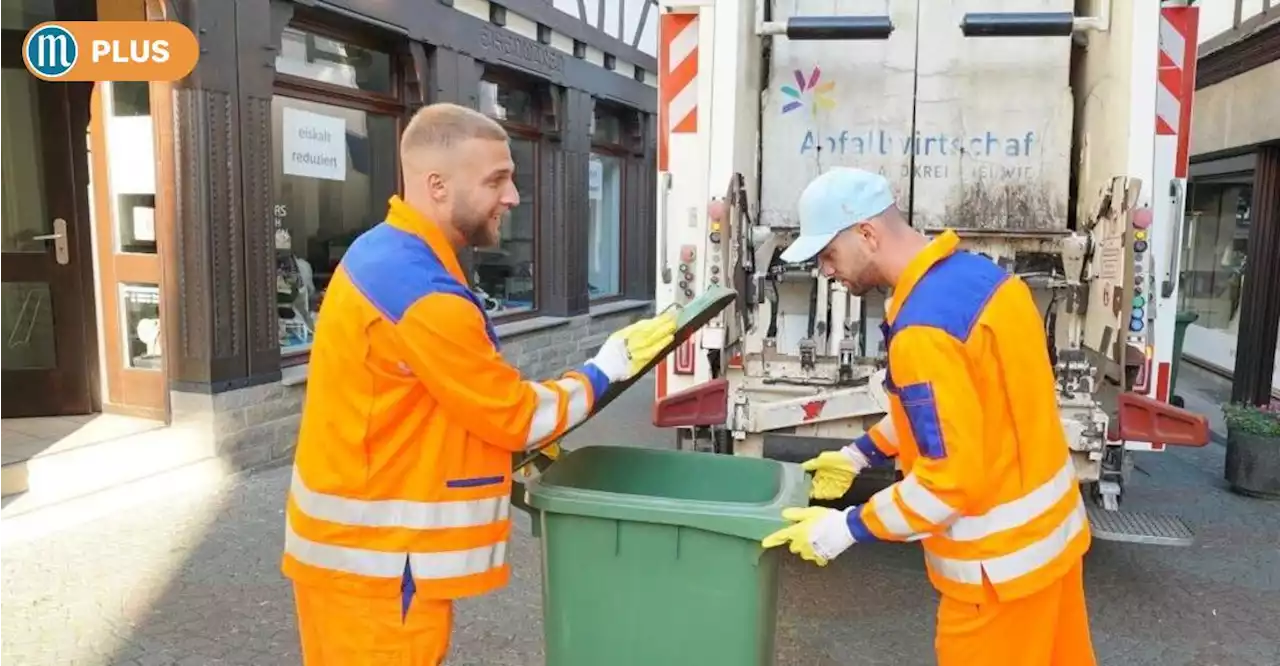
1253	449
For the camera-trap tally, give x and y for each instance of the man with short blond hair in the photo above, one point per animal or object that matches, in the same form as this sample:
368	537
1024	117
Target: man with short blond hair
441	126
400	501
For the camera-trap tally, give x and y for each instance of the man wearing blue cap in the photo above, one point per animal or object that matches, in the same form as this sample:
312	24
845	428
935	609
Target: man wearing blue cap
989	488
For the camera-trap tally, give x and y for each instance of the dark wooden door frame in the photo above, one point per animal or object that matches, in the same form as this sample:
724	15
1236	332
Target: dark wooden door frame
73	387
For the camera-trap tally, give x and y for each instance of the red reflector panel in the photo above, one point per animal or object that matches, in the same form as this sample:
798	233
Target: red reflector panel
702	405
1144	419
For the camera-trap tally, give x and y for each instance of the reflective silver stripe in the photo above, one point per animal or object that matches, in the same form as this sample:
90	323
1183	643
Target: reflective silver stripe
968	572
1040	553
1018	563
886	509
545	416
579	391
457	563
398	513
340	558
924	503
1017	512
377	564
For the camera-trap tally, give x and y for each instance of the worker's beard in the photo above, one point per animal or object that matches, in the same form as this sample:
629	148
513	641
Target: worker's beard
859	281
477	227
867	281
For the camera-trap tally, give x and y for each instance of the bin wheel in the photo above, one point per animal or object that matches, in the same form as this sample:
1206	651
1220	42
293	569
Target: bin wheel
1178	402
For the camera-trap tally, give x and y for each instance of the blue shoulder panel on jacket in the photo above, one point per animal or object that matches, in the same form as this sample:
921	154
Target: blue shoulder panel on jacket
395	269
952	295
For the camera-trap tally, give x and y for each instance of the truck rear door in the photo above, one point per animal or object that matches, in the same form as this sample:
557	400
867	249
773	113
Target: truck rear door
974	134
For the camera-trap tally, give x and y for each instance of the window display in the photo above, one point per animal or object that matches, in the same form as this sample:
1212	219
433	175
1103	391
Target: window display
335	165
504	277
605	187
1216	243
132	172
335	169
604	238
1215	238
140	316
318	58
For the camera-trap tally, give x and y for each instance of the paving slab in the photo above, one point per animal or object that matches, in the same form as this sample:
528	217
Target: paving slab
194	579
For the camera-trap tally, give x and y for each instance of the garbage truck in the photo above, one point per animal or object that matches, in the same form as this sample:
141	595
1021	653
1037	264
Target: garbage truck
1050	135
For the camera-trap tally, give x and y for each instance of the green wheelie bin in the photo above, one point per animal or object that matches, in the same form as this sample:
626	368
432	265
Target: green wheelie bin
1181	321
652	557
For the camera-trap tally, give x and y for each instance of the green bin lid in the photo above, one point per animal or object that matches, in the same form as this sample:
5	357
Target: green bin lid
737	496
693	315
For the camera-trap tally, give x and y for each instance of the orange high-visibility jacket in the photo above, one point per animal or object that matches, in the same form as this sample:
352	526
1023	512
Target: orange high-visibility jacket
989	487
402	475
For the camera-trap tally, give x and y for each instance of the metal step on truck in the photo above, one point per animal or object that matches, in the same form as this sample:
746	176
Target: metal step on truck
1051	135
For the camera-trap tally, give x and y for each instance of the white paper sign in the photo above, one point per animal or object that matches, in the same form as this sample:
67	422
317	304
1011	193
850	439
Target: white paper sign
144	224
131	158
315	146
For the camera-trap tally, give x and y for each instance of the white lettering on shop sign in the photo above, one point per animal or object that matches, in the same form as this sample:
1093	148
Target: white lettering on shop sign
315	146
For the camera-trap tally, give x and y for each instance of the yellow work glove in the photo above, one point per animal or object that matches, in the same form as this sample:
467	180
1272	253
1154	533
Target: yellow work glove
834	471
629	349
530	467
818	535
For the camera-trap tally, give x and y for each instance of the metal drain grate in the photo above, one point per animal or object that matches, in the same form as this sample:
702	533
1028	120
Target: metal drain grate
1137	527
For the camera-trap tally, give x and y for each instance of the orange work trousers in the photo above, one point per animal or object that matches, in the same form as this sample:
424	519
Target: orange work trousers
340	629
1048	628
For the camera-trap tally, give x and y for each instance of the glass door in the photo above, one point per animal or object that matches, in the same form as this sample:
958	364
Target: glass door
45	319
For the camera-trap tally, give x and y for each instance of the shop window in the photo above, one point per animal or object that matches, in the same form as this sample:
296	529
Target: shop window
131	165
26	14
140	317
335	161
604	239
1216	237
505	276
605	188
321	59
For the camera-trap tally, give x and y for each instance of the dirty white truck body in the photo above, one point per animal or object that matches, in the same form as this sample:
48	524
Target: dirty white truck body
1053	143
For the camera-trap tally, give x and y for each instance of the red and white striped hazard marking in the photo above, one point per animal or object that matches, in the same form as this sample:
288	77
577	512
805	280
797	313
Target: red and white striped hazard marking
677	79
677	114
1177	78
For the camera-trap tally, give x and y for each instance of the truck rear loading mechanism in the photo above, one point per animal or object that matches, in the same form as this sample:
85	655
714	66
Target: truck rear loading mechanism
1054	144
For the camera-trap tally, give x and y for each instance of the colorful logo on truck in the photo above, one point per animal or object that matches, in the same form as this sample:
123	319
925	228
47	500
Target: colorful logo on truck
808	88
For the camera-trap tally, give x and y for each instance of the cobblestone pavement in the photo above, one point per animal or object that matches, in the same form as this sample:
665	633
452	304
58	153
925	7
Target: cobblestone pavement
195	580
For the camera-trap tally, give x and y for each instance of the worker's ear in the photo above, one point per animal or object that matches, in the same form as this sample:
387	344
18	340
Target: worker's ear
437	188
867	232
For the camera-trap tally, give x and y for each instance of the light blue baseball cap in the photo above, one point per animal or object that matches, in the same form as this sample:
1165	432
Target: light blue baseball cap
833	202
